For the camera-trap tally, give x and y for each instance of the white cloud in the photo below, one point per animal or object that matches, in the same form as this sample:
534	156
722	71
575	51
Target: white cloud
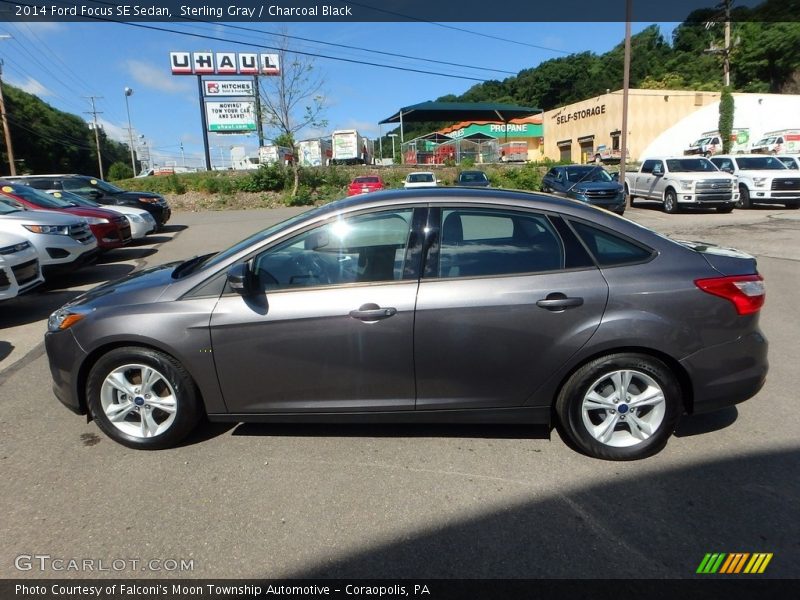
115	132
156	78
367	128
32	86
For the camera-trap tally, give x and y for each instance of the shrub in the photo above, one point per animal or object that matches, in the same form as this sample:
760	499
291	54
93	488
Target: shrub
268	178
119	170
302	198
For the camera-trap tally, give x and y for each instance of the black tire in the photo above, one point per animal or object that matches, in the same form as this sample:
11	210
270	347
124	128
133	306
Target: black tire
670	203
631	197
187	406
725	209
744	197
569	407
792	206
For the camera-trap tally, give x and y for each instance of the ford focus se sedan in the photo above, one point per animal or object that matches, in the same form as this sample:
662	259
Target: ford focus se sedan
436	305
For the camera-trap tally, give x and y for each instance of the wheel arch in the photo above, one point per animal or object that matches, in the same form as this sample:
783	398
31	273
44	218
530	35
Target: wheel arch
98	352
681	375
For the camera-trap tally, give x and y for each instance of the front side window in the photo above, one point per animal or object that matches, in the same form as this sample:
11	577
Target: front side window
647	166
481	242
358	249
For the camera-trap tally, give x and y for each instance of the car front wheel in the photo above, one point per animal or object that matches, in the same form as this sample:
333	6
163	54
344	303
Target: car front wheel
620	407
670	202
744	197
142	398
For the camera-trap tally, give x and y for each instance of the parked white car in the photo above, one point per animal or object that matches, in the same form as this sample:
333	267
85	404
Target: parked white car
420	179
20	270
142	222
62	241
763	179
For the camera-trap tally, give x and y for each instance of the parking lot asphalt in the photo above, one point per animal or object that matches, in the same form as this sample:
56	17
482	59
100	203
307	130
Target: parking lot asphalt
400	501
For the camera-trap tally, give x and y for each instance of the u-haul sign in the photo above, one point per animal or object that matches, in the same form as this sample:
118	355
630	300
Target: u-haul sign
224	63
228	87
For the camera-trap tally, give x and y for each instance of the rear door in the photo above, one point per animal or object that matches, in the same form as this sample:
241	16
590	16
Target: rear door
644	178
505	300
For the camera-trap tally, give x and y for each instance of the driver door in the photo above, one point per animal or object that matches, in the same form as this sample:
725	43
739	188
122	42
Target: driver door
330	327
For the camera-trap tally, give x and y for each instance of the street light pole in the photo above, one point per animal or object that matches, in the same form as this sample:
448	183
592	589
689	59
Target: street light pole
129	92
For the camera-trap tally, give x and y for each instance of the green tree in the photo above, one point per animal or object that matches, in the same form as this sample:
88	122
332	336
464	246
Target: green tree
726	110
119	170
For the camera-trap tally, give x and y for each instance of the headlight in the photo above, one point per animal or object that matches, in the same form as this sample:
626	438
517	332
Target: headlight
150	200
48	229
14	248
95	221
135	218
66	317
759	181
686	184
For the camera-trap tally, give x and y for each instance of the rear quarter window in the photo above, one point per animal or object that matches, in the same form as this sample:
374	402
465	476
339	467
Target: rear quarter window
611	250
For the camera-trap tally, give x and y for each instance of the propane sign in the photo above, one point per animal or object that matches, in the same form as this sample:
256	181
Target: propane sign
231	117
228	87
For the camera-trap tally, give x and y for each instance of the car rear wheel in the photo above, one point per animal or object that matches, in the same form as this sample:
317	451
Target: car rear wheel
620	407
142	398
744	197
670	202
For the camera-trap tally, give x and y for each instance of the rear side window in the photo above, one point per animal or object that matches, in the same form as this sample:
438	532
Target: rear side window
477	243
610	250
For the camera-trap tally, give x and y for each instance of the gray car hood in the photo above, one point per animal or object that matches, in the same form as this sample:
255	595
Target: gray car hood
139	287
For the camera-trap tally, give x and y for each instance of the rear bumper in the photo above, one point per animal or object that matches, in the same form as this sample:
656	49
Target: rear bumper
111	235
65	356
729	373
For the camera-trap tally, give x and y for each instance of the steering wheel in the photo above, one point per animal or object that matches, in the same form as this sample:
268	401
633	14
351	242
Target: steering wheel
310	269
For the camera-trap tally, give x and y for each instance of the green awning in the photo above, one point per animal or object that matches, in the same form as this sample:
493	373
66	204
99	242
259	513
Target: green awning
460	111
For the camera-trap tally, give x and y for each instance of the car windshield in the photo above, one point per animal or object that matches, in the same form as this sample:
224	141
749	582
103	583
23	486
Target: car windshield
690	165
789	162
75	199
576	174
473	176
7	209
702	141
766	141
35	196
420	177
219	257
105	186
759	163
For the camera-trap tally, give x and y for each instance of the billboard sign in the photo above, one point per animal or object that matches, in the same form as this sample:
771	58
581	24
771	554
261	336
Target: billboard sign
231	117
224	63
228	87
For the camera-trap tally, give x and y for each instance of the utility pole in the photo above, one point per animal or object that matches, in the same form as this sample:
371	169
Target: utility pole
728	48
626	84
259	127
12	165
128	93
94	114
183	155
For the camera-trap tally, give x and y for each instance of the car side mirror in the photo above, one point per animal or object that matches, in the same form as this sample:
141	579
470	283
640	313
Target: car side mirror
240	279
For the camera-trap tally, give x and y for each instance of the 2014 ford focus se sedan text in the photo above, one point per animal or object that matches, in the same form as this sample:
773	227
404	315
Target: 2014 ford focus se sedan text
429	305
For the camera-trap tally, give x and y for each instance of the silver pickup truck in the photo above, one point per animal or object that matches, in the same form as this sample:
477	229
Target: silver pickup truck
682	181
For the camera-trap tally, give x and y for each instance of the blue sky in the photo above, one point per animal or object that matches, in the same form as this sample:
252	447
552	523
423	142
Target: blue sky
64	62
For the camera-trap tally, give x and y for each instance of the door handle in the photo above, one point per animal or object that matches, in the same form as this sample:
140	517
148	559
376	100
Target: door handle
373	312
558	302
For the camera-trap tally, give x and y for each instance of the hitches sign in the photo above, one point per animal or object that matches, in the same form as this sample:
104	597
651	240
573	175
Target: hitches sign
230	117
224	63
228	87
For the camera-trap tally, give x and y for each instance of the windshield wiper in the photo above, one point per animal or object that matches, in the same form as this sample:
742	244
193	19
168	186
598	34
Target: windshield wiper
188	266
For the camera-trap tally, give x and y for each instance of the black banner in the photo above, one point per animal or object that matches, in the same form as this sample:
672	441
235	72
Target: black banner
728	588
341	11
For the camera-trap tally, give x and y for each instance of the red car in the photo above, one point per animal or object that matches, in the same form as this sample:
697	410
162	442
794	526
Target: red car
365	184
111	229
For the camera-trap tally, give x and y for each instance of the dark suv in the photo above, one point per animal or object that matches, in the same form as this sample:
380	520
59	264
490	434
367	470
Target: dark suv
101	192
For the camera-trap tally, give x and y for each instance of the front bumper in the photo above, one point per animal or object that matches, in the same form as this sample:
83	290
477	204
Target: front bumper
706	199
65	356
729	373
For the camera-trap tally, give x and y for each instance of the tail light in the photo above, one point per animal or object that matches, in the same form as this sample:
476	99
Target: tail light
746	292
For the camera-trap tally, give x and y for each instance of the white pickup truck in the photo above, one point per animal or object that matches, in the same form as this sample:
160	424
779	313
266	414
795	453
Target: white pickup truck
762	179
682	181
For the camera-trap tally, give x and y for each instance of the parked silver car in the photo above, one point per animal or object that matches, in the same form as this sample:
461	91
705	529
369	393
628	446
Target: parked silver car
437	305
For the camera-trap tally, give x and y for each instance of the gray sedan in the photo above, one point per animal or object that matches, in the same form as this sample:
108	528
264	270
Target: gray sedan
432	305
